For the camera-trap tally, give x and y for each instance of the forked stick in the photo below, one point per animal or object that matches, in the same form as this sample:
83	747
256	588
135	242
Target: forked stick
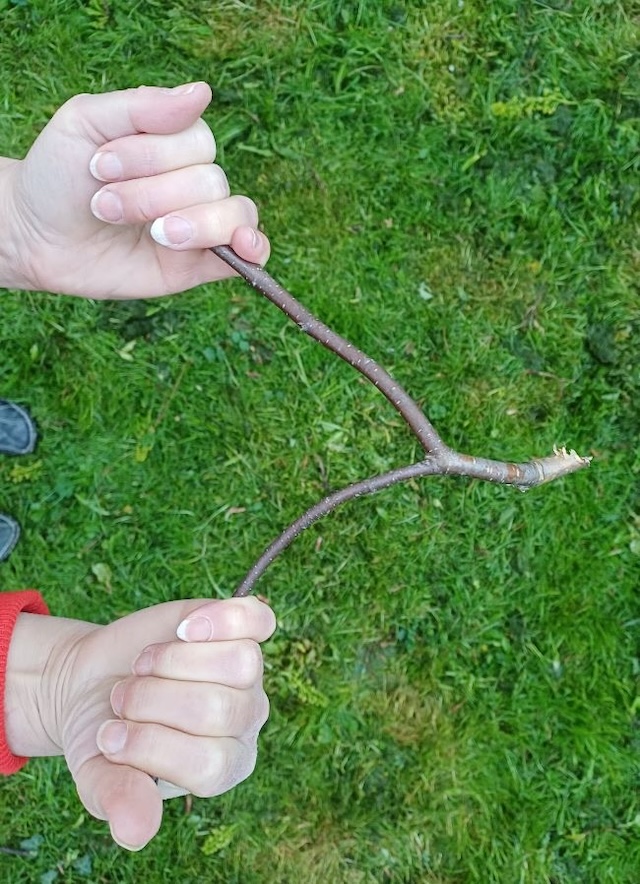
440	460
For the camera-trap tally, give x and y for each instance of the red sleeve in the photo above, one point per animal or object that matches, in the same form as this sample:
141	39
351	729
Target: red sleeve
12	604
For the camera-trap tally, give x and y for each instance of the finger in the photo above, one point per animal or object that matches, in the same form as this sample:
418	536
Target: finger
228	619
141	156
144	199
155	110
200	708
127	798
252	245
200	227
204	766
236	664
186	269
160	622
199	267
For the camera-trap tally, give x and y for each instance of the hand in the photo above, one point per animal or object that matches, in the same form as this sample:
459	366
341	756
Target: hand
80	205
128	701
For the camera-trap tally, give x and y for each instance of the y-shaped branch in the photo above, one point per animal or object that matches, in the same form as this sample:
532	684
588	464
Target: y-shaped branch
440	460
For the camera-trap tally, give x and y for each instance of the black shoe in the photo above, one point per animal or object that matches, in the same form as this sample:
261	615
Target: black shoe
9	534
17	430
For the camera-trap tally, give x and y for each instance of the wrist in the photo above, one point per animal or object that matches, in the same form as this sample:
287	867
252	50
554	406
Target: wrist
39	661
11	276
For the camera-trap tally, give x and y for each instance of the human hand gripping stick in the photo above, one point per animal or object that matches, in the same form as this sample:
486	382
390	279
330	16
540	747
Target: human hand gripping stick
173	692
107	170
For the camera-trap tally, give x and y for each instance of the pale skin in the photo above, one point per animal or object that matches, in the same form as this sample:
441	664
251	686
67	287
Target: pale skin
91	211
130	701
61	227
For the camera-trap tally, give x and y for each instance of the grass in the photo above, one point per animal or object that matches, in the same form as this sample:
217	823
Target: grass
454	679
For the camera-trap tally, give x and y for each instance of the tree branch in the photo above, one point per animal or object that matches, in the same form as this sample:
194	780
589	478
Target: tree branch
441	460
258	277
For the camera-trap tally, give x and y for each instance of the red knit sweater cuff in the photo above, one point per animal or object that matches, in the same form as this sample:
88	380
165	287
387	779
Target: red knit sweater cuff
11	605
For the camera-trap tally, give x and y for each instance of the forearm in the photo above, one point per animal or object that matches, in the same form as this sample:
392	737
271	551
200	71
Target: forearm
39	654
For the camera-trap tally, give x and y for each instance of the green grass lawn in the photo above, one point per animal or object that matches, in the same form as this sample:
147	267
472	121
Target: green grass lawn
453	185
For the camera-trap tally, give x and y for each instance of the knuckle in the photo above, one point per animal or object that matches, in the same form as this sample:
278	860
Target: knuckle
214	774
262	711
248	209
225	768
76	103
223	713
263	615
214	182
204	140
249	663
73	111
238	716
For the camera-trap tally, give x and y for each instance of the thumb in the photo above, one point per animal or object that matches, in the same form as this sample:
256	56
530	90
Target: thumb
152	109
126	797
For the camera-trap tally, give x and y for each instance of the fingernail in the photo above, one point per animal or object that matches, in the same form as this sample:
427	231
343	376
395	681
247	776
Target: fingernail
195	629
142	665
255	239
107	206
111	737
171	231
105	166
183	89
117	697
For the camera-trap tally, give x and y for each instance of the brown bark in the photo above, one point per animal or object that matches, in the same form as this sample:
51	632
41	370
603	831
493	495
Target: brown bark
440	460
